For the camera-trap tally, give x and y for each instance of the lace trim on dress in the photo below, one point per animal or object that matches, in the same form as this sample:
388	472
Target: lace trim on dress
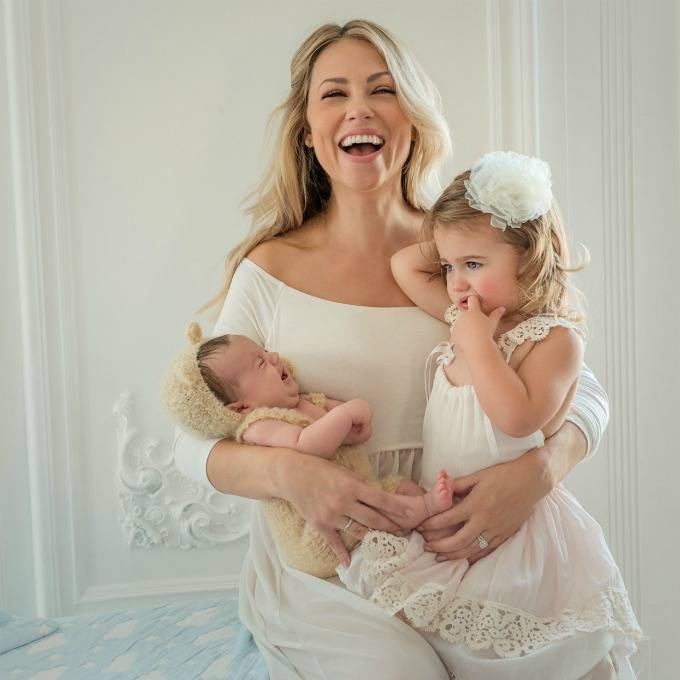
477	623
535	328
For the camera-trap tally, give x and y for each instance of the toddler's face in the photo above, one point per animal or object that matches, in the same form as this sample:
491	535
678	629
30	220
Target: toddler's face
260	378
478	262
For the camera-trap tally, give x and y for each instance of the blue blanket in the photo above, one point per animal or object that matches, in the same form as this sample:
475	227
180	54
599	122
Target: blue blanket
202	639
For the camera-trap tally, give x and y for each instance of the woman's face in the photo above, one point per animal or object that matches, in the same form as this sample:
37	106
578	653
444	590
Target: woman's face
359	132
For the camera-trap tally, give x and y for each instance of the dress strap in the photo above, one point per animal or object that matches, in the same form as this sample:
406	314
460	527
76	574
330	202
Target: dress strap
442	354
535	328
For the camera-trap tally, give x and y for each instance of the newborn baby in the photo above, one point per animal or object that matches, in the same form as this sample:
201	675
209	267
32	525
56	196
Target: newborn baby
257	401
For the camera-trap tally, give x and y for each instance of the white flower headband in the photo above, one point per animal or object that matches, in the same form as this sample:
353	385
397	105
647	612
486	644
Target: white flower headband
512	188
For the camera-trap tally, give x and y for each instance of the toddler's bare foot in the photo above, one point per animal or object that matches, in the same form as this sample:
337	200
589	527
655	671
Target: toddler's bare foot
440	496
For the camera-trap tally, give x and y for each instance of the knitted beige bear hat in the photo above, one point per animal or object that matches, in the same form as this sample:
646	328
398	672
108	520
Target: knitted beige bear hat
188	398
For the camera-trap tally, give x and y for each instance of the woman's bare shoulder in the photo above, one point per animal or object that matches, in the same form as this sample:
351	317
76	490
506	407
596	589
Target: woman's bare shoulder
266	255
277	255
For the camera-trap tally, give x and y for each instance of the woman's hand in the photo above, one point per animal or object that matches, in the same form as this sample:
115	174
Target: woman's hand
327	496
496	502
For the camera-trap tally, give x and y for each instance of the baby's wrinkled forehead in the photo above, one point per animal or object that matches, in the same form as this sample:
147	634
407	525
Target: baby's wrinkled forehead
229	360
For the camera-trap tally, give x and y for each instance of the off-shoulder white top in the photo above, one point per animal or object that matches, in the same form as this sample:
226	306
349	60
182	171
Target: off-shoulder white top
348	351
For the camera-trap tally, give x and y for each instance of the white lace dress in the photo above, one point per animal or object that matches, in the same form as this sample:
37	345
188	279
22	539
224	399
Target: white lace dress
544	604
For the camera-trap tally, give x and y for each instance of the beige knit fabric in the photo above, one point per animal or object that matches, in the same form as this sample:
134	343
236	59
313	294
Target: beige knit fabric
301	546
189	399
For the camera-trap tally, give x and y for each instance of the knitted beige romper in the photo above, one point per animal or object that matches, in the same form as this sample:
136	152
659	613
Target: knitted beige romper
301	546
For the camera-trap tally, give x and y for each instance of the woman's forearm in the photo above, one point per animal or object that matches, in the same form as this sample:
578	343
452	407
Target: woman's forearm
250	471
560	455
590	409
325	494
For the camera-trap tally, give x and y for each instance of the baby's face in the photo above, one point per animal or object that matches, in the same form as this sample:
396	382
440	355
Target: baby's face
260	378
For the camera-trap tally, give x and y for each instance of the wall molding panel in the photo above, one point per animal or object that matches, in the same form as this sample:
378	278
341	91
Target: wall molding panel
161	507
33	252
112	595
512	56
618	224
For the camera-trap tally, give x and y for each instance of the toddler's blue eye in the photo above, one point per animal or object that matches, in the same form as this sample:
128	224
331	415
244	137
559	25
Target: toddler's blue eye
447	268
473	265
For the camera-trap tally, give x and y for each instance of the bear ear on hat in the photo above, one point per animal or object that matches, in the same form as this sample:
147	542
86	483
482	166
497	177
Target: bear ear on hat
194	333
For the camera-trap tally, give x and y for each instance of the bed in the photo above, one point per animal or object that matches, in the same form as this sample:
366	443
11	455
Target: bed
202	639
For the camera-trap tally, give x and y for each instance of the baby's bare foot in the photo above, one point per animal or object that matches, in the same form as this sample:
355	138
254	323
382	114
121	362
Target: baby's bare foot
440	496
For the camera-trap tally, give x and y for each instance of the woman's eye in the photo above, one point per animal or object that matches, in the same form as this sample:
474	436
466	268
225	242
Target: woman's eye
473	265
384	89
332	93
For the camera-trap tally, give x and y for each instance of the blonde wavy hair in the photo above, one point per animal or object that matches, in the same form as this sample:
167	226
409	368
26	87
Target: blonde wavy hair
544	266
295	187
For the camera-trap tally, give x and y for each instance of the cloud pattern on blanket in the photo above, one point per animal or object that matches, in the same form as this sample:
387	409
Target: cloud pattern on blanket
189	641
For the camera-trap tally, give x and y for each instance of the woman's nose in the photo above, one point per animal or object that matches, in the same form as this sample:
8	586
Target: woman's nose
358	108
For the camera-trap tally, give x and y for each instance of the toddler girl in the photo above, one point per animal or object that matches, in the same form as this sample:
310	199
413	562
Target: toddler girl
500	387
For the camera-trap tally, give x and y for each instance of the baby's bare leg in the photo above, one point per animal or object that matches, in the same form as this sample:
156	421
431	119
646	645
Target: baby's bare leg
424	504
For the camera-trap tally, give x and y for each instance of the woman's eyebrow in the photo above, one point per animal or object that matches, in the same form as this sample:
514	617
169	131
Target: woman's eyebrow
344	81
375	76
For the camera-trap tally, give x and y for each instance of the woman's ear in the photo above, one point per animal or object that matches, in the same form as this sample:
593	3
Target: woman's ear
308	137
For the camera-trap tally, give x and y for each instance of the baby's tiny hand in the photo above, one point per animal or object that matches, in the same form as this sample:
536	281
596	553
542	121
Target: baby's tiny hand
473	326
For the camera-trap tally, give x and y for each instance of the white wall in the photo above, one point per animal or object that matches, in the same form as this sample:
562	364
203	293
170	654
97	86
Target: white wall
134	131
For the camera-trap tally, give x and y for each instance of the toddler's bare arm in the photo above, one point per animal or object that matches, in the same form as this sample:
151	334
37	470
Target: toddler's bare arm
414	271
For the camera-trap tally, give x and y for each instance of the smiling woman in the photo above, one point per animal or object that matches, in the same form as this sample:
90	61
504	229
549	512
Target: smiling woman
361	140
296	188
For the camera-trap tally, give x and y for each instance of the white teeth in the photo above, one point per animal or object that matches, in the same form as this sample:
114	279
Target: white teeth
362	139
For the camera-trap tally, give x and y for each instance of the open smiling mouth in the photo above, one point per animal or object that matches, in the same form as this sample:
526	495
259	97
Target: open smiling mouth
361	145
